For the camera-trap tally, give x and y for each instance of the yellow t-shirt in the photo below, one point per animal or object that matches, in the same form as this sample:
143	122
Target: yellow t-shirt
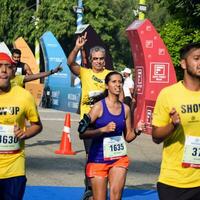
15	106
92	85
17	80
187	104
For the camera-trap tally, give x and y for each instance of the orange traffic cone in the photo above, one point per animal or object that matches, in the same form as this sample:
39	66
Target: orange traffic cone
65	145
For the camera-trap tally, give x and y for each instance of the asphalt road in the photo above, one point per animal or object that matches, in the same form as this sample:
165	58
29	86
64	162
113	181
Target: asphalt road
44	167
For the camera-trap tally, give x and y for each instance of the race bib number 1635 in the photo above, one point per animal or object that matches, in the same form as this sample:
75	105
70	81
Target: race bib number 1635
114	147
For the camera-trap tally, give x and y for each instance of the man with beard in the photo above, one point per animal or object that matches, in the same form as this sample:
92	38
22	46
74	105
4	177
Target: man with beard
22	68
20	80
176	122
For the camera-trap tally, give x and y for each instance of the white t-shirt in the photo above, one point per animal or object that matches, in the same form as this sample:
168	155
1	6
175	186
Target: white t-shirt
128	83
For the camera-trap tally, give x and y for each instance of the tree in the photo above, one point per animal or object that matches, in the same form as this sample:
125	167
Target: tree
176	20
106	17
16	20
182	29
157	12
109	18
187	11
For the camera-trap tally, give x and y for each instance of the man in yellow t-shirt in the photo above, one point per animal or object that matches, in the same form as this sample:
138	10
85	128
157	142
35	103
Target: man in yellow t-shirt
176	122
92	80
93	85
16	106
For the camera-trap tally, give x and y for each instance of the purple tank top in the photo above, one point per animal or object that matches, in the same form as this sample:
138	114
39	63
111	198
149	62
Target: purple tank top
96	149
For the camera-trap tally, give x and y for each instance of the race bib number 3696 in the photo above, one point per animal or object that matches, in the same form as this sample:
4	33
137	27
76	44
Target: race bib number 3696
8	142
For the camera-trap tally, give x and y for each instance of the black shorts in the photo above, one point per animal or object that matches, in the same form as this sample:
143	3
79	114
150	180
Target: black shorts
12	188
167	192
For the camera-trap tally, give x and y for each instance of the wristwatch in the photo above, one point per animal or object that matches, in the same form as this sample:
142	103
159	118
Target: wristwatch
51	71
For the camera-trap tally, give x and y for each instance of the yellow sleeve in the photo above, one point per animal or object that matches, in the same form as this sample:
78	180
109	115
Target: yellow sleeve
31	109
83	71
161	110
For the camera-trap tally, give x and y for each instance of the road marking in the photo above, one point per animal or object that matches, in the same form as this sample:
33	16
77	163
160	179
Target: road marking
57	119
48	111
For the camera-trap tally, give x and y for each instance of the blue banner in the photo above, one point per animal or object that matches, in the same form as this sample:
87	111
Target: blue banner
65	96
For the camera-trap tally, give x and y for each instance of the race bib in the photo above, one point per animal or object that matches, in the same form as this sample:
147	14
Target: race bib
93	97
114	147
8	142
191	155
19	71
94	93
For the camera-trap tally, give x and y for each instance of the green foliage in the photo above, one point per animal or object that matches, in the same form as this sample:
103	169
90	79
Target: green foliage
178	24
109	18
57	17
187	11
174	37
176	20
157	12
15	20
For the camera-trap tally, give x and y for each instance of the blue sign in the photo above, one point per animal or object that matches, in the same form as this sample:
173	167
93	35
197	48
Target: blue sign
65	96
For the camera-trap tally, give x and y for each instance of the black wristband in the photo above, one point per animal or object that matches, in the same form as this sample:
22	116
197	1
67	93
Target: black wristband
51	71
84	123
137	132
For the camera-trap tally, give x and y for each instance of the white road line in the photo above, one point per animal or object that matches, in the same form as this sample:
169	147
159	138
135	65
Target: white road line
50	111
57	119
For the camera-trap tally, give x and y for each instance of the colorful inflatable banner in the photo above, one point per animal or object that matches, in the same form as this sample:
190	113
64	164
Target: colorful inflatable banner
64	95
27	56
154	69
4	48
34	87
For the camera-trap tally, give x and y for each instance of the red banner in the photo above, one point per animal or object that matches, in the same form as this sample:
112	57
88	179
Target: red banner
153	68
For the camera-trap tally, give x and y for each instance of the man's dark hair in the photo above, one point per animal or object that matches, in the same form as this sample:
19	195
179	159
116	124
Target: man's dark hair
185	50
16	51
